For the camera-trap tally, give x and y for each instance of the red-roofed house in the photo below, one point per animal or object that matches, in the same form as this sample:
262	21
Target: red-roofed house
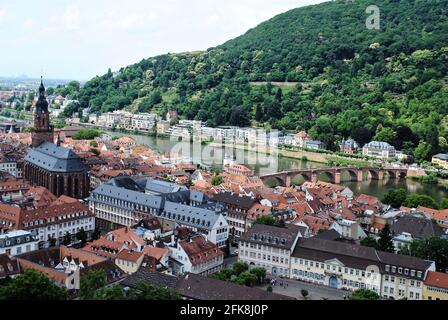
436	286
197	255
129	261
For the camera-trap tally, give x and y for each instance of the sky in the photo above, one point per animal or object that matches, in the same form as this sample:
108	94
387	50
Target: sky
78	39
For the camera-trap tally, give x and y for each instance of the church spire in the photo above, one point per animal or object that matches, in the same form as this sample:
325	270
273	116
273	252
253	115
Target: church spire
41	88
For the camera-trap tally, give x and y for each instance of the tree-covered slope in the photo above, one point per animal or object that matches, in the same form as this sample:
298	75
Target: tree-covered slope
389	84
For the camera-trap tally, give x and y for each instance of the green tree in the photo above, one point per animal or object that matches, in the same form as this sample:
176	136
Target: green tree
31	285
217	180
115	292
246	279
240	267
96	234
52	242
422	152
149	292
384	134
81	235
395	197
90	283
416	200
433	249
87	134
385	242
260	273
444	204
364	294
369	242
269	221
67	240
304	293
95	151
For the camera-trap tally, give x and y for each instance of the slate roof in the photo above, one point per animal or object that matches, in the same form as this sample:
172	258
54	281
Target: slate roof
273	236
354	256
197	287
419	228
203	218
441	156
162	187
155	278
134	197
52	158
234	199
16	238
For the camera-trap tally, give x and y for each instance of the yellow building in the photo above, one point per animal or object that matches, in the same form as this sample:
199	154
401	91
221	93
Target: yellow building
129	261
436	286
441	160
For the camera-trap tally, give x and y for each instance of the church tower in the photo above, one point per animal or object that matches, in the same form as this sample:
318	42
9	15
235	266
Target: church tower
43	131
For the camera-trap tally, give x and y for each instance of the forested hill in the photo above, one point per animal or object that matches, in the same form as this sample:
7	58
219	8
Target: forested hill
389	84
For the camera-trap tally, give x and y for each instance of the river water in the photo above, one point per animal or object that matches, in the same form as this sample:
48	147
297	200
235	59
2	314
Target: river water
264	164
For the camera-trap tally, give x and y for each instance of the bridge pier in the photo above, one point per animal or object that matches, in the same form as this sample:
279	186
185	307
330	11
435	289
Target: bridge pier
380	175
360	176
288	181
337	178
314	177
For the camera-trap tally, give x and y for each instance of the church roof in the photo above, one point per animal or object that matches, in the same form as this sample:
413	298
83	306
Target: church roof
52	158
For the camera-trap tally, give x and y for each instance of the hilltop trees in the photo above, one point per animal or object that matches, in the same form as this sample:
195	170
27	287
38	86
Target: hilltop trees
364	84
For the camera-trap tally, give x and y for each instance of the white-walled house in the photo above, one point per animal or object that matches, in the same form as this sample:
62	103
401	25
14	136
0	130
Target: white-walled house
17	242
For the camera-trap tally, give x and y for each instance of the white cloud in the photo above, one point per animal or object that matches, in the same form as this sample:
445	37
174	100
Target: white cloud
2	15
72	18
212	20
29	24
142	29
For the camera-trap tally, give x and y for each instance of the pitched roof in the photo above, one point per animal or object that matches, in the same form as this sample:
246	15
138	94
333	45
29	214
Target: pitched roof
437	279
154	278
125	235
419	228
55	159
280	237
8	266
129	255
234	199
197	287
199	250
354	255
155	252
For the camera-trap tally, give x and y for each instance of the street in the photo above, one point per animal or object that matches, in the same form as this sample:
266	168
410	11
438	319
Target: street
316	292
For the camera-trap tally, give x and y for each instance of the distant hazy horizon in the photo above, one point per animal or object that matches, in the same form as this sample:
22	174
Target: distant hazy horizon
78	39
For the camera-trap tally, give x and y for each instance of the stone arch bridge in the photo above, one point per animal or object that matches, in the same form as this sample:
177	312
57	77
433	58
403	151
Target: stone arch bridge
335	174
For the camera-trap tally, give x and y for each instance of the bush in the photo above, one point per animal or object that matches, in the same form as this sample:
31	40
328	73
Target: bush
88	134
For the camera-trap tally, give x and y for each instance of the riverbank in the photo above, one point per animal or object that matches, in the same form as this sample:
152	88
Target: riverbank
303	155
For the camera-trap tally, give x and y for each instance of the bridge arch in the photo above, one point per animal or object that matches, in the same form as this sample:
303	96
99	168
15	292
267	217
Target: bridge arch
274	181
391	174
354	174
329	174
297	175
373	174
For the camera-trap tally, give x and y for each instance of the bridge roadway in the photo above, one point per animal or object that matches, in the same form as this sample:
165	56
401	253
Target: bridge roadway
335	174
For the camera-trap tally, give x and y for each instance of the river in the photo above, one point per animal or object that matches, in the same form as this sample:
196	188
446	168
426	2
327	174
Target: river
265	164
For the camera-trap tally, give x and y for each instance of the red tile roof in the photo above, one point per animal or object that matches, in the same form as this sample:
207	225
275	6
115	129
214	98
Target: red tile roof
437	279
199	250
